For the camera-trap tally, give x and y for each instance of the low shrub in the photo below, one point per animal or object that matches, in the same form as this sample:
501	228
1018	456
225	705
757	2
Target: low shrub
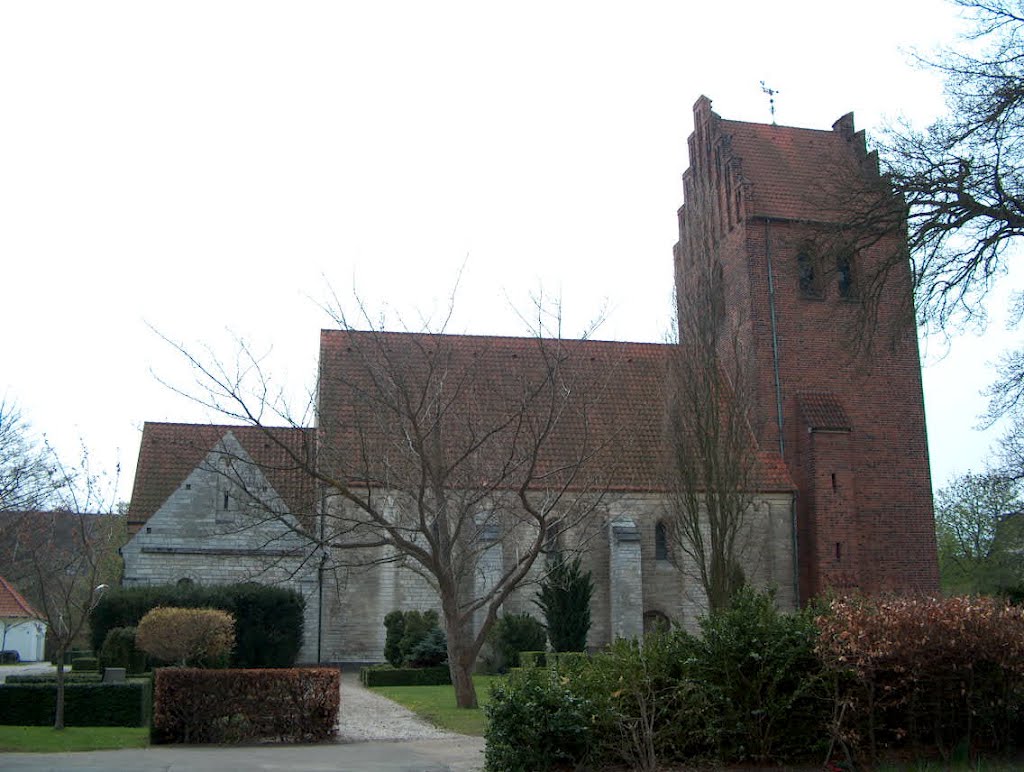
9	657
514	633
386	675
85	704
192	705
70	677
85	664
187	636
537	722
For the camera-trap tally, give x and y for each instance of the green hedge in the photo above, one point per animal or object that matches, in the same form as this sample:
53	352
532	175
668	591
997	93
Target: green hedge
84	704
533	659
385	675
268	620
51	678
85	664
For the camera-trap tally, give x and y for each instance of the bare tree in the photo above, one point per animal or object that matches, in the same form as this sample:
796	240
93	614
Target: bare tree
962	177
433	450
710	403
63	558
27	471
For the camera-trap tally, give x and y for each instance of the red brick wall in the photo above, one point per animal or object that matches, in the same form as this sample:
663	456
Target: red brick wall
880	510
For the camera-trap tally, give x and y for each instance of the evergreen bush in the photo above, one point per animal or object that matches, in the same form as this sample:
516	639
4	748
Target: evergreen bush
406	633
431	651
119	650
202	637
564	598
513	633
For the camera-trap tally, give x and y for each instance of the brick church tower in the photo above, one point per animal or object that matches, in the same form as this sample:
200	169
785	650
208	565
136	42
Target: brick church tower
845	412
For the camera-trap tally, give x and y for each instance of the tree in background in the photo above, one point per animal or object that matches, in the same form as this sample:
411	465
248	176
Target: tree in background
564	598
64	557
979	522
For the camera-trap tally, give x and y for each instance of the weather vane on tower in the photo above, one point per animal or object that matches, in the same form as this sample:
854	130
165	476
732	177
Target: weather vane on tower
771	92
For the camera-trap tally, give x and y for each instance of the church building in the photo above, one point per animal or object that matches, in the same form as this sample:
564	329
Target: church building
565	445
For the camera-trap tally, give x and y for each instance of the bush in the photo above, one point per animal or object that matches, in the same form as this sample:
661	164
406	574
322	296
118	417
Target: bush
564	599
534	659
9	657
223	706
513	633
431	651
95	704
268	620
386	675
763	686
197	636
536	722
85	664
119	650
406	632
647	708
917	672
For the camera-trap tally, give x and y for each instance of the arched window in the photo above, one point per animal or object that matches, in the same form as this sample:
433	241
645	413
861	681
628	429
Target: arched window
660	542
656	622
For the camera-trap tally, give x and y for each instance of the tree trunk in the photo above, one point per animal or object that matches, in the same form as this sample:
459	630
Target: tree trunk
461	657
58	718
462	680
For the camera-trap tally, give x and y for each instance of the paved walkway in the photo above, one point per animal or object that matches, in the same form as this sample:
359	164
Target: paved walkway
375	735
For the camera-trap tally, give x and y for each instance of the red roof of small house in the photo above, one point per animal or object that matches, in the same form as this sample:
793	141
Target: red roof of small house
171	452
13	603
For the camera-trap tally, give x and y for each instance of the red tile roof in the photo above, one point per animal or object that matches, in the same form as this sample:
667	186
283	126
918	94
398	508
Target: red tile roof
793	173
823	411
170	452
13	604
615	408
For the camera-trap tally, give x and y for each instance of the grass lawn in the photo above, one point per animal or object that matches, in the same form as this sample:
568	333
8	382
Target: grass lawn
436	704
45	739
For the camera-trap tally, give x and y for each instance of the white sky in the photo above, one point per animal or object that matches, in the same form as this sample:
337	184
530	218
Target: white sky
206	167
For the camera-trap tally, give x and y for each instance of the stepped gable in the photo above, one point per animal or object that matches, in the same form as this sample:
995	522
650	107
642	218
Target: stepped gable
169	452
619	417
783	172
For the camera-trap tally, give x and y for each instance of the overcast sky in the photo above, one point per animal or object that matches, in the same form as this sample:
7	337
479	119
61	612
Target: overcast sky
210	169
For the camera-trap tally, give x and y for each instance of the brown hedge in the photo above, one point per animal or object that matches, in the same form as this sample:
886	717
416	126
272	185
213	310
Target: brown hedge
918	673
193	705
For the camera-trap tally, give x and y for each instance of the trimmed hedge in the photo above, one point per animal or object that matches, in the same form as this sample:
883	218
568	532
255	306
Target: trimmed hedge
385	675
268	620
34	704
192	705
533	659
85	664
51	678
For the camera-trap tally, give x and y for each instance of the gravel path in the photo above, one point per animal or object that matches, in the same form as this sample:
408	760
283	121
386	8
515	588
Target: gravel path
368	716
